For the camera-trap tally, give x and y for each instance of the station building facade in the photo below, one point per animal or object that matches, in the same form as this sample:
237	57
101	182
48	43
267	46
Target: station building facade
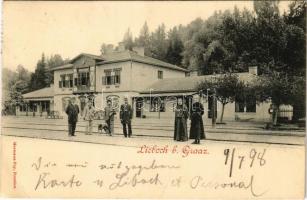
152	87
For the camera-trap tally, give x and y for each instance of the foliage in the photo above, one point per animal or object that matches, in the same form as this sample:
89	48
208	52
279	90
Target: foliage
282	89
227	87
14	84
175	47
144	39
232	40
54	61
128	40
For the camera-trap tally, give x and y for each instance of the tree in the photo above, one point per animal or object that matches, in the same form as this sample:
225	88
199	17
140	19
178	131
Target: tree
39	77
54	61
276	87
15	83
299	97
226	87
106	48
144	39
175	47
128	40
158	43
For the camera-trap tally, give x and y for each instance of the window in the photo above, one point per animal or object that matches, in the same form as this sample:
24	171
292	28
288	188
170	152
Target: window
62	81
157	105
251	104
70	78
160	74
23	108
239	105
83	79
110	79
117	76
45	106
66	81
247	104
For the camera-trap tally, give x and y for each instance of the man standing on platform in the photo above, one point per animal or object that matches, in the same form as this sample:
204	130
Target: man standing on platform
125	117
72	112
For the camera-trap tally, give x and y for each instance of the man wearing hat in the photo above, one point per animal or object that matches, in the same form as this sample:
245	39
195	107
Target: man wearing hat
125	117
72	111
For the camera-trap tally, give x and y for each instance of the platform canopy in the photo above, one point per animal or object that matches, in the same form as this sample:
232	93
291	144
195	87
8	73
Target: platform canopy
41	94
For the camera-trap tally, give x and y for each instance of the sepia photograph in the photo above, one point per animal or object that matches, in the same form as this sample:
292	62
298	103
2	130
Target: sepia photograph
153	99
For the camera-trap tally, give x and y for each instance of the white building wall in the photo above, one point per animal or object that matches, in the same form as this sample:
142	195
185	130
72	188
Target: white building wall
125	82
144	75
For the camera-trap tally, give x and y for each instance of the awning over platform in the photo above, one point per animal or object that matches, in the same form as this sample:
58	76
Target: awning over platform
41	94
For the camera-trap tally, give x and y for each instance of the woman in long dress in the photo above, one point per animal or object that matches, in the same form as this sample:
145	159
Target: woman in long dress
181	116
197	131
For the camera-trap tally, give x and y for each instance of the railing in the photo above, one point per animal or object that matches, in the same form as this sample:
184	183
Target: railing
83	88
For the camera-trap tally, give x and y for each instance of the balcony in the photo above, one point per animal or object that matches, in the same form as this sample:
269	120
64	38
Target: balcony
84	81
83	89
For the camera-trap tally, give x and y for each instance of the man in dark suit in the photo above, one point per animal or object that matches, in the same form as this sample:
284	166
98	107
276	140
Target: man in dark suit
72	111
125	117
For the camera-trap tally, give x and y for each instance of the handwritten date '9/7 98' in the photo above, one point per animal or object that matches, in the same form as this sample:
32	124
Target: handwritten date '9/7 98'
235	159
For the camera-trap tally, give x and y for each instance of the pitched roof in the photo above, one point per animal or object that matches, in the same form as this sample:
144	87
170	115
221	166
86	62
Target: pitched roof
186	84
133	56
121	56
70	65
66	66
95	57
41	93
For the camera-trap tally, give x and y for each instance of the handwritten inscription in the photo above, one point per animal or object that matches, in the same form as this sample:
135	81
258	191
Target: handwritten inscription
118	175
251	158
44	181
199	182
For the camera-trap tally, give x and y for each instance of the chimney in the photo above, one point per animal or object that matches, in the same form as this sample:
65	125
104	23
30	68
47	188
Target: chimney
253	70
139	50
121	46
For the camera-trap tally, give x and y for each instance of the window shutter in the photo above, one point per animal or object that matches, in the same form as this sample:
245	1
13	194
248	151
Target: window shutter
60	84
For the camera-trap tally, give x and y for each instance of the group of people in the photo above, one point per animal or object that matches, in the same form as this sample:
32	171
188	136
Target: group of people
182	114
72	111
